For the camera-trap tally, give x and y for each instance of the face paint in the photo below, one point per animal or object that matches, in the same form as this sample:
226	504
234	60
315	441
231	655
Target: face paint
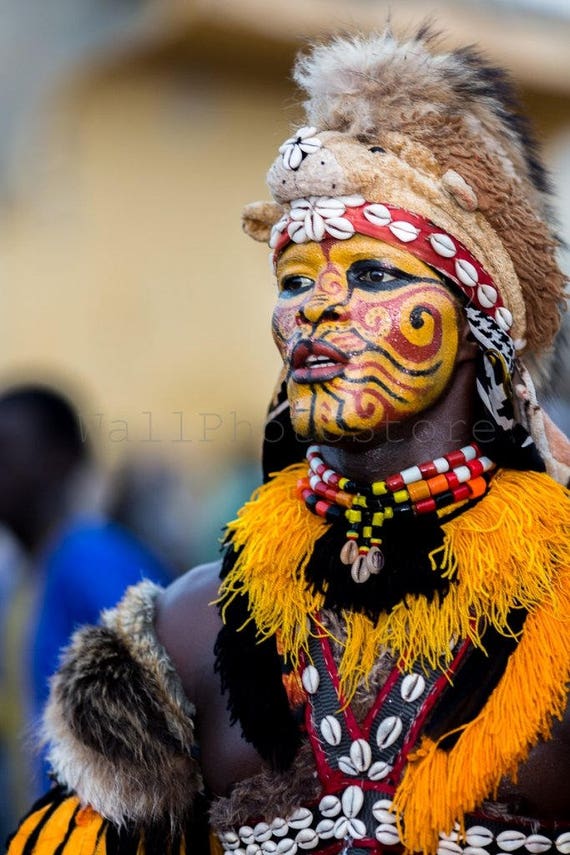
368	333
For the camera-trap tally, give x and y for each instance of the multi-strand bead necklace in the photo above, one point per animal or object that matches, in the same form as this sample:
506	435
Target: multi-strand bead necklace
421	489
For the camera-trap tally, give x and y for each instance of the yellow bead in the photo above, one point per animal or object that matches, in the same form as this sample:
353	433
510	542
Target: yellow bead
367	531
342	483
378	517
379	488
401	496
353	516
388	513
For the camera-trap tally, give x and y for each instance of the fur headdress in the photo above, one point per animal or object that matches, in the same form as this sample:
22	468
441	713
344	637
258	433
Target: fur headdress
439	135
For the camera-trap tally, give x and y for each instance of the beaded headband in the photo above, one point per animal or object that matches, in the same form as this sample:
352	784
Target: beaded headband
317	218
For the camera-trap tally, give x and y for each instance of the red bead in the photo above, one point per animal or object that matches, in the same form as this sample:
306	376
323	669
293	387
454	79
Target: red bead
461	492
331	495
333	479
305	494
452	480
321	508
475	467
455	458
395	482
320	469
425	506
428	469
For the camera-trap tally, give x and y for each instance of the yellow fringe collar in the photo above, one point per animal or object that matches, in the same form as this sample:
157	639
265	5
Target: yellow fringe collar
510	550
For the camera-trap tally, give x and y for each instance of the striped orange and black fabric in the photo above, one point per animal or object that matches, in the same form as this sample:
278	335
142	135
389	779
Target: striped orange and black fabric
58	825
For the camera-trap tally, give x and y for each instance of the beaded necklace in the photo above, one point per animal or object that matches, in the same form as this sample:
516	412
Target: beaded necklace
422	489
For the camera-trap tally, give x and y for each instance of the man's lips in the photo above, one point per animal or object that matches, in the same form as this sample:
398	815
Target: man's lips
316	361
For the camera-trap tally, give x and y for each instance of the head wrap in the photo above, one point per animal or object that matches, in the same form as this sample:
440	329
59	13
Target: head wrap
429	151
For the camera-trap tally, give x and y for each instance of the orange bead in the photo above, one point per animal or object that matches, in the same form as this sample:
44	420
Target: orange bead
418	490
478	487
437	485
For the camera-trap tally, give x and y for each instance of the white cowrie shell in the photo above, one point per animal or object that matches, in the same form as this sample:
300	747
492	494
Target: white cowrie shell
510	840
479	836
537	843
300	818
325	829
360	755
388	731
345	766
359	570
475	850
329	206
453	836
230	841
466	272
304	132
413	687
352	801
331	730
314	226
339	227
448	847
261	832
443	245
504	318
341	828
279	826
353	201
246	834
286	846
269	847
329	806
379	770
253	849
307	838
387	834
292	158
383	816
562	843
379	215
404	231
296	232
487	296
356	829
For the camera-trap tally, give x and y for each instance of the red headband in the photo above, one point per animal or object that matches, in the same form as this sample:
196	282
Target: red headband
320	217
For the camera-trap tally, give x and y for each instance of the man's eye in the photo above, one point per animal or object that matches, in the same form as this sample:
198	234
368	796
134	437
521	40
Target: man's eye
375	277
291	285
373	274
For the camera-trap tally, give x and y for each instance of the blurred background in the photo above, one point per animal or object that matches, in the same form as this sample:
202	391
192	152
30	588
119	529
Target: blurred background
132	133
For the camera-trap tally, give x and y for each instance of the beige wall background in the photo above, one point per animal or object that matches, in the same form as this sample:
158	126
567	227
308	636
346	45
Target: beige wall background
125	272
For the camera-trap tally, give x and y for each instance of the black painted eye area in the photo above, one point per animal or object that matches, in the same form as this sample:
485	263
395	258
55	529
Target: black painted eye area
377	149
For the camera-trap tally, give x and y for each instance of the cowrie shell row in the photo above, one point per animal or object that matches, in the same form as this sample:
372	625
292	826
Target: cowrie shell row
331	730
413	687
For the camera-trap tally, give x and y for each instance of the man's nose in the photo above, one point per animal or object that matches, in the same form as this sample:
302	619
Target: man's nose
327	300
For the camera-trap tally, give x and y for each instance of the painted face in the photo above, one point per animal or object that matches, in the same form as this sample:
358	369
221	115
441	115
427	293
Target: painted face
368	334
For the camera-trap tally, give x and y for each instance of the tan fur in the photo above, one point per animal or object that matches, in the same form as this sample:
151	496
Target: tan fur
258	219
119	727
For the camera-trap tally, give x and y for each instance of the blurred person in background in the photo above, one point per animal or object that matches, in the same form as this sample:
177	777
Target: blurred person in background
78	562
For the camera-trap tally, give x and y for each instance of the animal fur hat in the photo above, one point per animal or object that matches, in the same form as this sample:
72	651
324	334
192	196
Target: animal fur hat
431	134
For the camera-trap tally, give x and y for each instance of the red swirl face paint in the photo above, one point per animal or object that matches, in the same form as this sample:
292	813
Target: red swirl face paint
368	334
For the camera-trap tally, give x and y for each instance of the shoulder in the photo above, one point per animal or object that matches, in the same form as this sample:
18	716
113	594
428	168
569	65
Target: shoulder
118	723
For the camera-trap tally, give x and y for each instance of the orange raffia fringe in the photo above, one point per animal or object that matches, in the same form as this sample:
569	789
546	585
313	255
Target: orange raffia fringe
502	553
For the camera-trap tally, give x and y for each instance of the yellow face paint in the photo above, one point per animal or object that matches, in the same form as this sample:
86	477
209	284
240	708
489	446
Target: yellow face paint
368	333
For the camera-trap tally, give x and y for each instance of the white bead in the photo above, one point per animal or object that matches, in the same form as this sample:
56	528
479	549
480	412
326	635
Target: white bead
441	465
352	801
310	679
329	806
537	843
462	474
300	818
404	231
469	452
510	840
443	245
360	755
487	296
466	273
387	834
388	731
378	215
413	687
331	730
412	474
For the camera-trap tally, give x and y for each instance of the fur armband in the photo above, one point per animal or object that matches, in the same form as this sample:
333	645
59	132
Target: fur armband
118	724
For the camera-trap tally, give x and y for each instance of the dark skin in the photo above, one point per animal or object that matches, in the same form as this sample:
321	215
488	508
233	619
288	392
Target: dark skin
541	790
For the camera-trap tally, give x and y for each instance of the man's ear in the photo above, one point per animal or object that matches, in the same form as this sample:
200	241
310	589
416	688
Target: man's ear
258	219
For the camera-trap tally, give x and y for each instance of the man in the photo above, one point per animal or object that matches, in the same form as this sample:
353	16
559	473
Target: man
77	561
387	662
